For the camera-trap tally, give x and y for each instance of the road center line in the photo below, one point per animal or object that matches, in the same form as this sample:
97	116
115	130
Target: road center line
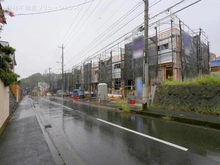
144	135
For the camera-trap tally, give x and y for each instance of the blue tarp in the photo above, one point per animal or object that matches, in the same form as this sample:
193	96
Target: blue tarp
215	63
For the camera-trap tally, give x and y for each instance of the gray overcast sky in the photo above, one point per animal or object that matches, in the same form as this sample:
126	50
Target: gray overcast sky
36	37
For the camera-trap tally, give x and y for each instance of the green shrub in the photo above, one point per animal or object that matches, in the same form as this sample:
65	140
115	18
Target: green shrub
124	107
200	80
6	75
168	118
8	78
216	111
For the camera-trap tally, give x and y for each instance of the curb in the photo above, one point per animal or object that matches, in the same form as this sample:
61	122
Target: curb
178	119
182	120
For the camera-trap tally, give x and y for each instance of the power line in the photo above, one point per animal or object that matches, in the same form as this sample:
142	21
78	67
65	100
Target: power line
106	7
113	26
151	23
79	21
107	46
157	1
114	13
168	9
73	22
115	31
52	11
93	10
84	23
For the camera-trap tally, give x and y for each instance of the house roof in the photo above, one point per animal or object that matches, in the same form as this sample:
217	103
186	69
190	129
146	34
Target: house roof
4	43
215	63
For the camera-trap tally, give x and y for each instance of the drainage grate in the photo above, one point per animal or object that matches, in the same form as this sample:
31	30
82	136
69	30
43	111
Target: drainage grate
48	126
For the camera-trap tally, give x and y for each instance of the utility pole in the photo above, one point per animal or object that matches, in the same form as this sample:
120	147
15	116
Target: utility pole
146	52
62	47
49	78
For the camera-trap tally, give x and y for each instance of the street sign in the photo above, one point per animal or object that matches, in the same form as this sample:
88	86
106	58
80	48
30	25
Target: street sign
138	47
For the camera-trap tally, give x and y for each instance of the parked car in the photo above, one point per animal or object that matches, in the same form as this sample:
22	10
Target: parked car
79	92
59	93
48	94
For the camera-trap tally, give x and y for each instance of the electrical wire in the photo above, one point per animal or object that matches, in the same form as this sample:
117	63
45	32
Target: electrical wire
106	7
169	15
113	14
79	22
73	21
116	30
52	11
88	16
114	25
111	46
79	55
153	4
81	26
90	13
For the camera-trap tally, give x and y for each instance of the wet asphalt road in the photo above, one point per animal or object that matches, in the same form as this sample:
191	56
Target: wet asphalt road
98	142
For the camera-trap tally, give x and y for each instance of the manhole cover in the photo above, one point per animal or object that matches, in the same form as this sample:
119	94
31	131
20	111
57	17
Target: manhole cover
48	126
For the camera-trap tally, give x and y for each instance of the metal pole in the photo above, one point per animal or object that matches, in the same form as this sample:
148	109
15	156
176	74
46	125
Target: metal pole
49	79
199	51
157	52
172	47
181	50
62	70
209	58
146	67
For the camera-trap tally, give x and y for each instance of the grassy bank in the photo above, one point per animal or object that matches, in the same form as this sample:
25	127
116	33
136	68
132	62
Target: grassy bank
201	80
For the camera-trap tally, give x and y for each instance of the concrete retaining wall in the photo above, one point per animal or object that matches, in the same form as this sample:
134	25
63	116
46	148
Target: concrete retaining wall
16	90
13	103
188	97
4	105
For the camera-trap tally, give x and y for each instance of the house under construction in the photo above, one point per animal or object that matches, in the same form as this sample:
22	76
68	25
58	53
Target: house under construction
175	52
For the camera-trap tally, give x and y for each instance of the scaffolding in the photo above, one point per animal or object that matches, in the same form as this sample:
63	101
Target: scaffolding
175	52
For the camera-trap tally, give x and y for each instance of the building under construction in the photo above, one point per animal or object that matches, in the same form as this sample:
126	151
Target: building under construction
175	53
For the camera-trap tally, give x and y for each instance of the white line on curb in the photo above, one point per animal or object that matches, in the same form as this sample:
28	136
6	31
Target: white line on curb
147	136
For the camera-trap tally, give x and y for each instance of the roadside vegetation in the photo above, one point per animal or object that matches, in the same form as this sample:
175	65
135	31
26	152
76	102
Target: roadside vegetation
204	110
200	80
124	107
167	118
6	75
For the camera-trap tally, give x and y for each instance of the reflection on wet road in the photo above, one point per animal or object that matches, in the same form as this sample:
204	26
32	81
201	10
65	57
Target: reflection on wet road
98	142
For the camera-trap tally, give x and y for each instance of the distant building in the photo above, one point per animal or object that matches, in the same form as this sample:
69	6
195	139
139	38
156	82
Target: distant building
215	67
218	58
42	88
212	57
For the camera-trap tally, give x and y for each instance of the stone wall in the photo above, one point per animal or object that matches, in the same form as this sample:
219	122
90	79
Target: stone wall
188	97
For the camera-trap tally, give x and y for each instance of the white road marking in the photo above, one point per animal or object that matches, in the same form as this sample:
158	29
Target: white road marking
144	135
64	106
57	104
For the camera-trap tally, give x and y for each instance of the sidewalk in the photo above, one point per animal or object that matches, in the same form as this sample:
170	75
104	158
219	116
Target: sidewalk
186	117
22	142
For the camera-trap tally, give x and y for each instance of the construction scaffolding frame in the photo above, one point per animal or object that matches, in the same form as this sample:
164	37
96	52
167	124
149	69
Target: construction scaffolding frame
176	52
